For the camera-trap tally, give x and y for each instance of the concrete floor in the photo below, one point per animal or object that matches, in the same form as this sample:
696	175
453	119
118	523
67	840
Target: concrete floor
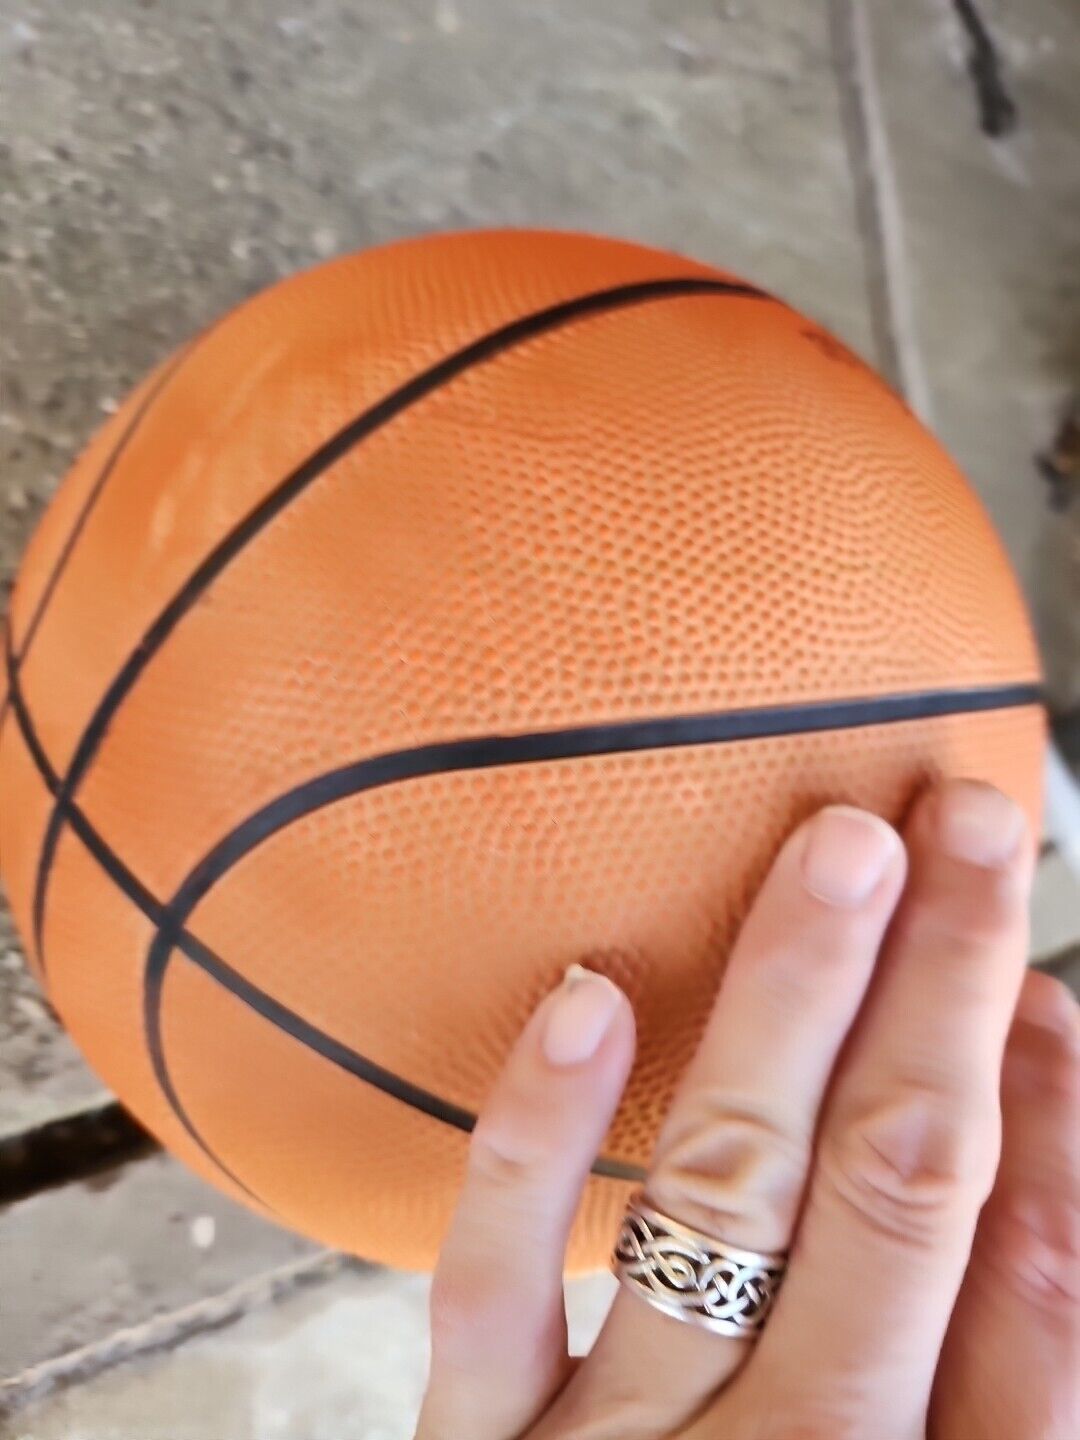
160	161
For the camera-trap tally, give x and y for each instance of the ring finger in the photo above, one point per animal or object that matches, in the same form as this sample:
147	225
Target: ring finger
733	1155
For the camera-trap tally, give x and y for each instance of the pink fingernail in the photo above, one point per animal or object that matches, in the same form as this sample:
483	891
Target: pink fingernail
847	854
579	1015
979	825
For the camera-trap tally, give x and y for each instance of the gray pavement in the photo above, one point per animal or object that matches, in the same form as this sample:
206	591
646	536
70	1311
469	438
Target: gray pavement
158	162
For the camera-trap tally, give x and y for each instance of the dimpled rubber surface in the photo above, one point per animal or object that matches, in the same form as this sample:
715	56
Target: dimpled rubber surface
691	504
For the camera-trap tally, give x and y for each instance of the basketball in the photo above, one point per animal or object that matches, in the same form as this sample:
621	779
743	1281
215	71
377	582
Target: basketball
443	616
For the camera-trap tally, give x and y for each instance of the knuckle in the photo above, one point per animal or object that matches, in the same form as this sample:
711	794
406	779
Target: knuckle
1048	1005
1059	1073
797	1416
914	1164
507	1163
987	908
1034	1250
789	981
732	1173
1042	1058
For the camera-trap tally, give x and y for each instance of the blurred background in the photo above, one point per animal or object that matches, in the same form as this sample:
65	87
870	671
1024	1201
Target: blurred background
907	174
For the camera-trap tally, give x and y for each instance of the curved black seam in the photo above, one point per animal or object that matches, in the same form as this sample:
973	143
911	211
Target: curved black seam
480	351
5	704
81	519
170	935
94	496
127	882
578	742
288	1022
264	1005
487	752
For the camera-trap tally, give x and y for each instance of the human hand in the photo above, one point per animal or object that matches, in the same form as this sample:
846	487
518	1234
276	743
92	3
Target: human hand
849	1104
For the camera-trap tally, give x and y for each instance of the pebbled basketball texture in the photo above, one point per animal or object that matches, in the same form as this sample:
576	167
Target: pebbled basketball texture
442	616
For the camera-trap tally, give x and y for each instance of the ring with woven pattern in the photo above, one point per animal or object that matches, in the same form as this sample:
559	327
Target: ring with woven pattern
692	1276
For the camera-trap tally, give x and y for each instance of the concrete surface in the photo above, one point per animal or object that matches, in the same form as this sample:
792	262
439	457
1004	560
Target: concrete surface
275	1374
88	1258
158	162
991	236
1055	909
280	1373
165	161
42	1075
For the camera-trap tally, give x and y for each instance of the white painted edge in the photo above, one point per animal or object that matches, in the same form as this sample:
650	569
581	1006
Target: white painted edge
877	197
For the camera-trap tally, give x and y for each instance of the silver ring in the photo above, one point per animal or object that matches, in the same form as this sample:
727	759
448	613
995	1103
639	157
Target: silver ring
694	1277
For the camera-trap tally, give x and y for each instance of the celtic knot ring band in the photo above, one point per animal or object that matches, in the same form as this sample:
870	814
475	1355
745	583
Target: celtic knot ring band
692	1276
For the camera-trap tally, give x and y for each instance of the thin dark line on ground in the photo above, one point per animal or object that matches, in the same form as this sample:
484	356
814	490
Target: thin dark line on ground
998	114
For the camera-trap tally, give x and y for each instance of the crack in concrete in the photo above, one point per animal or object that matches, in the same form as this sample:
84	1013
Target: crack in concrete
165	1332
997	109
77	1146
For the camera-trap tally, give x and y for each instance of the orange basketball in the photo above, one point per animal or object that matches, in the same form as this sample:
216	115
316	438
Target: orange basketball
443	616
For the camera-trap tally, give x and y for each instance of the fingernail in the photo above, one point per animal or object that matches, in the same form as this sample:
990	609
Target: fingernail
979	825
846	856
579	1015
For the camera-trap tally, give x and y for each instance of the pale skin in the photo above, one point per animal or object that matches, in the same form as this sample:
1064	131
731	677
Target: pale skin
884	1090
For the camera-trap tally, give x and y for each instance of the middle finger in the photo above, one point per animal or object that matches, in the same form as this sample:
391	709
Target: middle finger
733	1154
909	1140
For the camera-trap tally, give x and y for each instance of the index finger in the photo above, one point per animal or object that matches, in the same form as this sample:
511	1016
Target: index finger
499	1349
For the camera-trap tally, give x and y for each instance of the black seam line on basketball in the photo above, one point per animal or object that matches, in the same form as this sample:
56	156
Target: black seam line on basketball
478	352
483	753
125	879
359	1066
129	885
5	704
340	1054
580	742
94	495
242	989
170	935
